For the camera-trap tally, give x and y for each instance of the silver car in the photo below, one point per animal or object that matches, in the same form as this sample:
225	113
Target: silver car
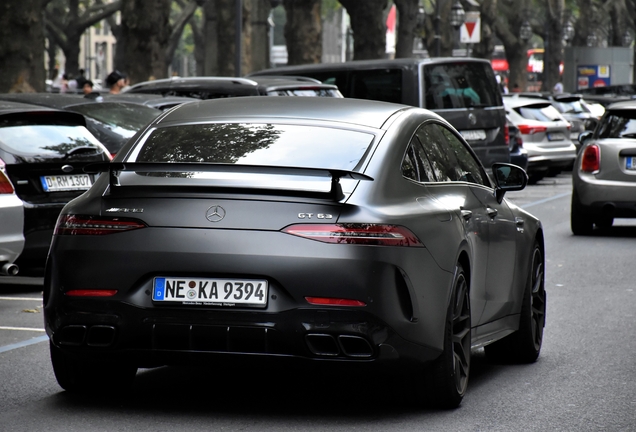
11	225
604	178
546	135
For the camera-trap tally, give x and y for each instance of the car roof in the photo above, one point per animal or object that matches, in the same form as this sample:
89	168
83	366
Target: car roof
51	100
353	111
8	107
149	99
624	105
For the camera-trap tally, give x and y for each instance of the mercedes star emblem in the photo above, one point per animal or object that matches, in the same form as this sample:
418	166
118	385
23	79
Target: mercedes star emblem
215	213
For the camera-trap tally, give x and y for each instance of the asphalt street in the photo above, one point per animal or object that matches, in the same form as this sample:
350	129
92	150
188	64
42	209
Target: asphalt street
583	381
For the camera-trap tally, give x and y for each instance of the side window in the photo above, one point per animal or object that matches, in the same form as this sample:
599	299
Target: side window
415	165
443	162
376	84
472	171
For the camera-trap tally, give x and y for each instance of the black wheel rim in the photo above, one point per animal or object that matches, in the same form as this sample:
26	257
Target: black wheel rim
461	334
537	299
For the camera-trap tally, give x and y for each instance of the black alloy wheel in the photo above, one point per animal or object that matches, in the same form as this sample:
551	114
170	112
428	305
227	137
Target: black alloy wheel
447	378
524	345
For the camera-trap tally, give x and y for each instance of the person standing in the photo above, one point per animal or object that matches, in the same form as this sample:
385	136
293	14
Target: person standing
558	88
116	81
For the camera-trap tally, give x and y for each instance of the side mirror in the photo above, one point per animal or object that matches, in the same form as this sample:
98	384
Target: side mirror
585	136
508	177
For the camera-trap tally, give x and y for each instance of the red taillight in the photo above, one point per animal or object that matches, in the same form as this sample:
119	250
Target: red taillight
591	159
5	184
363	234
531	129
507	135
91	293
327	301
94	225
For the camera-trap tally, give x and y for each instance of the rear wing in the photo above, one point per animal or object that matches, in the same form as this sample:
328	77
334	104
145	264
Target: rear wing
115	168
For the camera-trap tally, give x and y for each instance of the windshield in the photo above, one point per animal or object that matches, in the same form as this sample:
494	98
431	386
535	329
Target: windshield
460	85
618	124
540	112
46	141
124	119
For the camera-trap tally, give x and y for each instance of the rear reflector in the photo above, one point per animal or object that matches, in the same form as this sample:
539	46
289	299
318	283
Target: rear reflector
363	234
591	159
91	293
94	225
531	129
326	301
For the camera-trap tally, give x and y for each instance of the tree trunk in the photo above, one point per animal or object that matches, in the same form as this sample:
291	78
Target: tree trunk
226	37
407	23
369	28
507	26
488	14
210	39
22	46
553	44
445	31
303	31
260	34
146	29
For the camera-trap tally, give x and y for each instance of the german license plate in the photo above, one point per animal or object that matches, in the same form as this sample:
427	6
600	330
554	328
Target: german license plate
211	292
555	136
474	135
66	182
631	162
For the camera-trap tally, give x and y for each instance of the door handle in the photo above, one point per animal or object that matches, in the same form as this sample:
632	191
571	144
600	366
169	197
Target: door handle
466	214
491	212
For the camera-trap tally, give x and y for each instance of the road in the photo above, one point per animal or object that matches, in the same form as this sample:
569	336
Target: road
583	381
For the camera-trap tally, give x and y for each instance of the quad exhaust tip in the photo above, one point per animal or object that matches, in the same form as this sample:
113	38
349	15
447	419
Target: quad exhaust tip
326	345
9	269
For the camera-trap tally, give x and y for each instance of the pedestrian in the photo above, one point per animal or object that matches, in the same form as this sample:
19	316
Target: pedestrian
516	88
87	88
558	88
116	81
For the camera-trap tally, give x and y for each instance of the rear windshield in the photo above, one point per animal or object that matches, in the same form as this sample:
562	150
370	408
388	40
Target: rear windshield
618	124
313	92
540	112
124	119
47	141
460	85
256	144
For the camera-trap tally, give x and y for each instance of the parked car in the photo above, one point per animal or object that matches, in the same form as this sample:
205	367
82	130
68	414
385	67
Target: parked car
546	135
604	178
518	154
608	95
152	100
113	123
462	90
43	152
222	87
327	229
11	225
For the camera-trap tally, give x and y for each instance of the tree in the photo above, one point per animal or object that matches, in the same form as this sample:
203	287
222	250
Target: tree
507	29
407	23
22	45
369	27
303	31
66	22
488	14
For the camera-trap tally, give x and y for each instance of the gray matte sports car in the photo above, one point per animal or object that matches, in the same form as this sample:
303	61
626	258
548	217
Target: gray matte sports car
325	229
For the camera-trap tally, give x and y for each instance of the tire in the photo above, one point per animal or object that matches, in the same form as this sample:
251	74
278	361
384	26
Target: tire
580	223
90	376
446	379
524	345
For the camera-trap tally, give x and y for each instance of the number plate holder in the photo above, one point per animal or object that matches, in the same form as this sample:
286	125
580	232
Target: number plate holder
555	136
66	182
221	292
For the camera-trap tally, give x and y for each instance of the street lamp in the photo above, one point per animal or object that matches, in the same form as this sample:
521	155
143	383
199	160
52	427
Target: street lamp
457	15
525	31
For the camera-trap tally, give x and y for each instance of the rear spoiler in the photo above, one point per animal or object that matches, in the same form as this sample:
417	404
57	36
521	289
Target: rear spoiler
115	168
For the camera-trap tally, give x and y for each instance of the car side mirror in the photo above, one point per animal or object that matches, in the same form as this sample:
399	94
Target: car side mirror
508	177
585	136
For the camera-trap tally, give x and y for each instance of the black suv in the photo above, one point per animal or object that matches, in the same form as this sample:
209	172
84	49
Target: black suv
462	90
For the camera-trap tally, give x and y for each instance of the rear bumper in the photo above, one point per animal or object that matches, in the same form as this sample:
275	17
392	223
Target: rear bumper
11	228
541	159
605	198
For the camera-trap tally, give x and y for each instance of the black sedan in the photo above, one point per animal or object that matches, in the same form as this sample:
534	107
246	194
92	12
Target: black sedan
330	230
43	152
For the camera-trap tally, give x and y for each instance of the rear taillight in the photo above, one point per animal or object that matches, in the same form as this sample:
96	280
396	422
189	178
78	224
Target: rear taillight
95	225
531	129
362	234
507	135
591	159
5	184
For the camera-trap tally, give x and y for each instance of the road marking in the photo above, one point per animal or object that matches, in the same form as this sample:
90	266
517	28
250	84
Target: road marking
21	298
23	344
546	200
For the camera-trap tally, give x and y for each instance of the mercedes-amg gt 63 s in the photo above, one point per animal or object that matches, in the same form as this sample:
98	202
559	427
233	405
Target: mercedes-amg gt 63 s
322	230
